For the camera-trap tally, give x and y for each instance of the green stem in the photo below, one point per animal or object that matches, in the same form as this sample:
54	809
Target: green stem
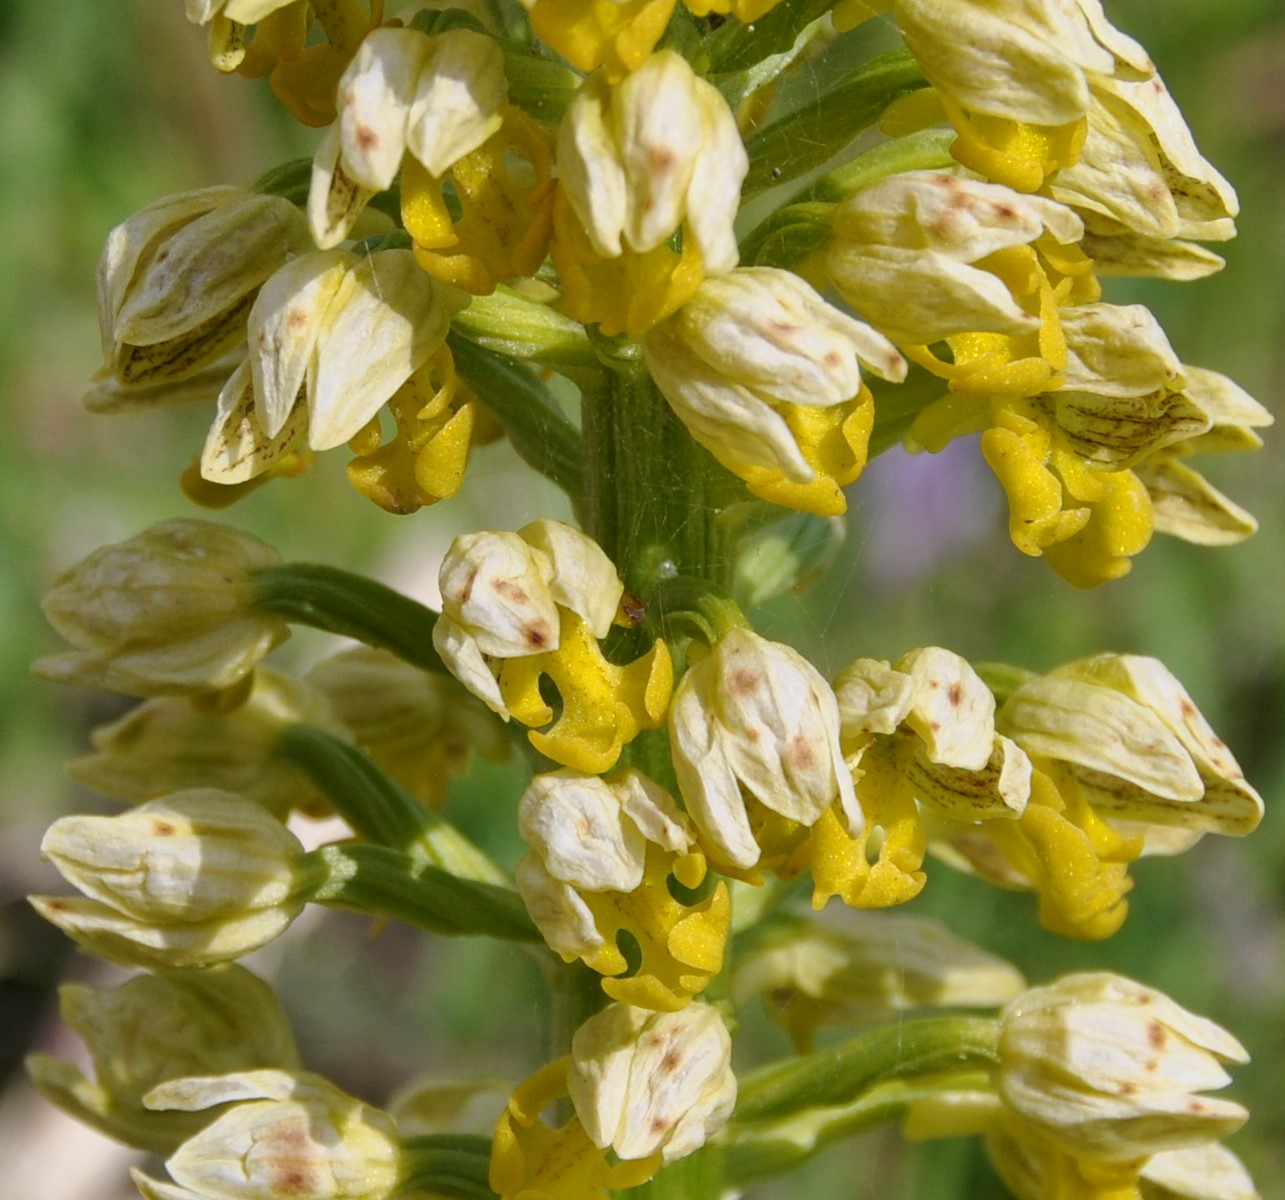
350	605
651	494
755	1150
447	1165
576	994
839	1074
384	882
380	810
927	150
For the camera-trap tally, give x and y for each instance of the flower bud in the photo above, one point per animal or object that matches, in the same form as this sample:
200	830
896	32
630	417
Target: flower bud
286	1133
438	97
1106	1069
645	1082
176	280
159	1027
167	612
644	156
169	745
196	878
753	727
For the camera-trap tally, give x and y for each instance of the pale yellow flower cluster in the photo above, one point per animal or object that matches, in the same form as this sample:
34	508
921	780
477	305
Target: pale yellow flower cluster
569	183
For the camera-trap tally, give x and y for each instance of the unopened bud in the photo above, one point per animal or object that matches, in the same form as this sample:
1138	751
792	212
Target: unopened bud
167	612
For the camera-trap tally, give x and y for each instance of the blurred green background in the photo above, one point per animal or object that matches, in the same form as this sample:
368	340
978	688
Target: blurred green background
105	106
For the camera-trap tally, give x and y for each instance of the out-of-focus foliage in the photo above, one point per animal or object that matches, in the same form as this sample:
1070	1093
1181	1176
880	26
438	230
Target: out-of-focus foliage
107	104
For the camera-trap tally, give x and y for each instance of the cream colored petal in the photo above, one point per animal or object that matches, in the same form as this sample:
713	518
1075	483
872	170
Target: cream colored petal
644	1082
1228	807
283	328
1153	257
715	191
208	266
107	395
1152	684
457	105
989	63
496	587
1188	506
599	1077
562	917
1094	726
709	788
961	218
873	698
385	320
953	710
107	934
1117	350
769	330
650	807
1209	1172
1000	789
728	419
1131	57
589	167
651	123
136	240
1200	192
921	297
780	725
1226	402
374	101
458	649
584	579
576	825
335	200
194	856
236	447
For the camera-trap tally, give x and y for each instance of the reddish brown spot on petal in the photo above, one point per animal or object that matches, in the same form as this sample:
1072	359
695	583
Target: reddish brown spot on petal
298	318
289	1159
1156	1036
163	828
367	138
537	636
510	591
744	682
955	695
802	753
